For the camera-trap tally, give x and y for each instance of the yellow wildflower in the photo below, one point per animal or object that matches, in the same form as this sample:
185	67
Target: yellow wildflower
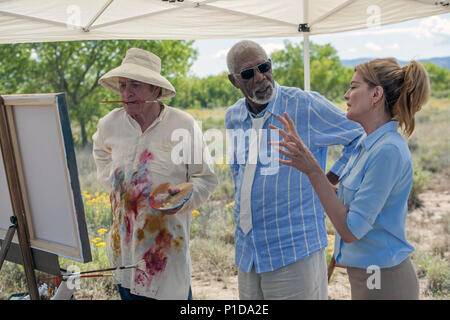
231	204
100	244
195	213
95	240
102	230
222	163
330	248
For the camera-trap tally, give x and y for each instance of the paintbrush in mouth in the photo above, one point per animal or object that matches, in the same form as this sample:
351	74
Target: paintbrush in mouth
129	102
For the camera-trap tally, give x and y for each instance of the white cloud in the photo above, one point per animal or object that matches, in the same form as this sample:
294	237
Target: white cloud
220	54
351	50
394	46
372	46
432	26
273	46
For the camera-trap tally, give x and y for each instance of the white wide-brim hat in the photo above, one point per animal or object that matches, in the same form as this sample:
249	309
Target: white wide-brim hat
140	65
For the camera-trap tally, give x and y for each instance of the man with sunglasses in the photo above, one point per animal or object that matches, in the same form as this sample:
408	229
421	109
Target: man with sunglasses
280	234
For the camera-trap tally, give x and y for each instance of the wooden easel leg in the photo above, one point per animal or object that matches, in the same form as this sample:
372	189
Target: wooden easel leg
7	243
17	203
28	266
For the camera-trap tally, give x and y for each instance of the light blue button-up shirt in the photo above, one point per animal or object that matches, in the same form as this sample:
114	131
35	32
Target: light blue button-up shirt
375	186
288	221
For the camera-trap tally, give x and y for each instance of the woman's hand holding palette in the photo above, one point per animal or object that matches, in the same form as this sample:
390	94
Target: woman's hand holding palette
167	198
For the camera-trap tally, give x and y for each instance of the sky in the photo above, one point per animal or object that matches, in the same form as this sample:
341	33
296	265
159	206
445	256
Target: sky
416	39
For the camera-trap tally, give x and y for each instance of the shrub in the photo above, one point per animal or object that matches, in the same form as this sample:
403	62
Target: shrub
212	239
435	268
421	179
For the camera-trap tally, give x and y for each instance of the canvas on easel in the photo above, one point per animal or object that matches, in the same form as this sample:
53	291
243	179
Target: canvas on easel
45	158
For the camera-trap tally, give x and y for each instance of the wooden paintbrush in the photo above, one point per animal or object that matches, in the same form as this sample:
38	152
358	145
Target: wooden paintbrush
139	265
135	101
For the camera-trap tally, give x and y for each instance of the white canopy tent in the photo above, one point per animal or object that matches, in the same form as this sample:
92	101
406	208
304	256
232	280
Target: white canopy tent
66	20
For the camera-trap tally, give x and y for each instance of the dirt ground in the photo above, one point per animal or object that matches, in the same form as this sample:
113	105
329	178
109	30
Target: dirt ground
424	232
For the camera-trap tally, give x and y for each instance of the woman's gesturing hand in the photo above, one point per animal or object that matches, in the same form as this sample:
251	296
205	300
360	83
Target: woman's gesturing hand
298	153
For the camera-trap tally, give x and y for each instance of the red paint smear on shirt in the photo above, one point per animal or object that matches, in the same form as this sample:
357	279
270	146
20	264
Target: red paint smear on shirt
136	195
134	200
155	259
145	156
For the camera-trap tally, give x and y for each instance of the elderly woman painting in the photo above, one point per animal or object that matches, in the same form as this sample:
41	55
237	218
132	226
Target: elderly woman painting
132	149
369	208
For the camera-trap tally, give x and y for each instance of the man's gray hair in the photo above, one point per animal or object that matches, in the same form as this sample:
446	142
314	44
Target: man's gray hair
238	49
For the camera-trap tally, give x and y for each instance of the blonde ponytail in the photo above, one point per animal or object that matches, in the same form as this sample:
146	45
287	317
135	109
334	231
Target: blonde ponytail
406	89
414	94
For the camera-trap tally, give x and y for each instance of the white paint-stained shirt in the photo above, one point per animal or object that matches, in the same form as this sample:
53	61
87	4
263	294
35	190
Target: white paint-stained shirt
131	163
288	220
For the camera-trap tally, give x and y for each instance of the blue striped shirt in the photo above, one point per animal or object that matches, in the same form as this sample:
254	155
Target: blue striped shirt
375	186
287	217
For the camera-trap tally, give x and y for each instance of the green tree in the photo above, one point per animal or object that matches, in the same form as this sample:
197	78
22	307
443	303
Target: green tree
187	93
221	91
328	76
439	80
75	68
208	92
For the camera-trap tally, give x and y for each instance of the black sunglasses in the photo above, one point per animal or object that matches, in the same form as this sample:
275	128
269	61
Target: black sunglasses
250	72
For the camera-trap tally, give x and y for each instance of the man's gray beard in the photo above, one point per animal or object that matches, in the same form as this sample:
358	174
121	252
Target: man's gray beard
256	100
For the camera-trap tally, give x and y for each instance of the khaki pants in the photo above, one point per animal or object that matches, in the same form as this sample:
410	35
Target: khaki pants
305	279
395	283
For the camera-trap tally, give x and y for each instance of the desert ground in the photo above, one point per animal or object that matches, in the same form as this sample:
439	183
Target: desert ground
427	231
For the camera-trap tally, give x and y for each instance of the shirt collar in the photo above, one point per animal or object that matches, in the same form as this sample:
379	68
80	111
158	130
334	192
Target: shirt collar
158	119
368	141
271	107
161	115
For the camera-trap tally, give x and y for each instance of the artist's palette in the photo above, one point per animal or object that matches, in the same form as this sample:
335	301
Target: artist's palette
162	200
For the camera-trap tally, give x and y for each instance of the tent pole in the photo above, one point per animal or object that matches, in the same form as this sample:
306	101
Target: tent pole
304	27
97	15
306	63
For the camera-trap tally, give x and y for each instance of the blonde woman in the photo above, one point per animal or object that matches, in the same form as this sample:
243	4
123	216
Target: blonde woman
370	206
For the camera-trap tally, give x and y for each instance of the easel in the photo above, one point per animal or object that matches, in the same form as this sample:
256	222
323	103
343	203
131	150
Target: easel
18	220
39	161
